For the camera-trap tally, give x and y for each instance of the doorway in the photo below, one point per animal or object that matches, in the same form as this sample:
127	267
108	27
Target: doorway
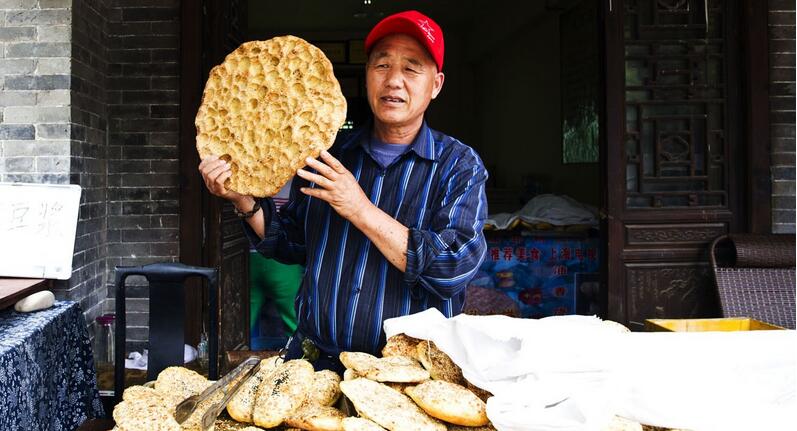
523	88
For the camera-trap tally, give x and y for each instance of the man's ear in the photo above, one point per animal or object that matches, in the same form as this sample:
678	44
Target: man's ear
438	84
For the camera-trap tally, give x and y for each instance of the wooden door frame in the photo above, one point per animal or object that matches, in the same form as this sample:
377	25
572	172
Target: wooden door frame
753	149
755	79
192	189
210	234
613	128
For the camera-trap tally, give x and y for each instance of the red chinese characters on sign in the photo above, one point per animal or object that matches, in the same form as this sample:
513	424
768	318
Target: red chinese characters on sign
534	254
565	254
559	270
507	253
520	252
592	254
494	254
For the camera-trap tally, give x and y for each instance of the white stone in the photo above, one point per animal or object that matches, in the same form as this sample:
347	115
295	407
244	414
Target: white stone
36	301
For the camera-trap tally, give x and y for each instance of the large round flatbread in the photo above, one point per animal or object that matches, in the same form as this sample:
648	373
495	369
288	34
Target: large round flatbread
266	108
400	345
144	408
314	417
398	369
360	424
388	407
449	402
179	383
282	392
440	365
242	404
325	389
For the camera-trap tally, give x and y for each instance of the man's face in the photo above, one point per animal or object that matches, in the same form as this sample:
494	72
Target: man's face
401	78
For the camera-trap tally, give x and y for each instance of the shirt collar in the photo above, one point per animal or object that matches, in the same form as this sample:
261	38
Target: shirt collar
423	144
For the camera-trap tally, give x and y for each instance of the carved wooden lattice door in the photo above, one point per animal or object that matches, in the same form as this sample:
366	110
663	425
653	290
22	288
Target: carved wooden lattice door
672	131
226	246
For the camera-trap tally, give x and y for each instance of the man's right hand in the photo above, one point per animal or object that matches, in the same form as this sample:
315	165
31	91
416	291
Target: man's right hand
215	172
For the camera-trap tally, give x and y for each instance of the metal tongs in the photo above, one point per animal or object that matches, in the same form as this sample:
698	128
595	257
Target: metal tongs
184	410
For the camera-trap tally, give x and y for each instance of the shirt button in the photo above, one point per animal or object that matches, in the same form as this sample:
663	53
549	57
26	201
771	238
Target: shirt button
381	173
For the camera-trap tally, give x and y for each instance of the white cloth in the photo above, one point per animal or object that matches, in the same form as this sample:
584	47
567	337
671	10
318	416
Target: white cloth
574	373
558	210
138	361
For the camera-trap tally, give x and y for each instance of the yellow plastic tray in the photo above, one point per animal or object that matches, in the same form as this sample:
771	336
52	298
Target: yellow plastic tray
696	325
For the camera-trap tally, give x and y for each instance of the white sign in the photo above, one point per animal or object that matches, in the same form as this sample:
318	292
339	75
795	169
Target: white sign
37	229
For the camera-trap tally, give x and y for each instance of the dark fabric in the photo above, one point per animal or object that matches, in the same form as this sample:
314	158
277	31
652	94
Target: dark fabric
326	360
47	375
436	189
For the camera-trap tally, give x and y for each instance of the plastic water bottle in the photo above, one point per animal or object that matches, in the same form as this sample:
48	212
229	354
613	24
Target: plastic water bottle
202	350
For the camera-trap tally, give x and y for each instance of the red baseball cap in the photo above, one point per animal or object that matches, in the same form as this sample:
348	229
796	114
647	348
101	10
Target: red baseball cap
415	24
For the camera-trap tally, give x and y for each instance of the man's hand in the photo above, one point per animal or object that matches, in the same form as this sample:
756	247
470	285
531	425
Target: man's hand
336	186
215	172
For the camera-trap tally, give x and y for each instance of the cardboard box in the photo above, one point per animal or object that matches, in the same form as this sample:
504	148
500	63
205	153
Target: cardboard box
699	325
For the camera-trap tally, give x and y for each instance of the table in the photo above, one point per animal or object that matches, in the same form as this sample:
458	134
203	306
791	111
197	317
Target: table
47	377
14	289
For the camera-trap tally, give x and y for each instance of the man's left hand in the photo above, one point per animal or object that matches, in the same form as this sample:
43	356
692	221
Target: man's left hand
335	185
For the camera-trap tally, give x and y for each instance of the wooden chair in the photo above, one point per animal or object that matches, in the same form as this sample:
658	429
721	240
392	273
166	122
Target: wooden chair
755	276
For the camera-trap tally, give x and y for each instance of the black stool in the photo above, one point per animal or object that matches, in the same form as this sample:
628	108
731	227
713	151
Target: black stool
166	318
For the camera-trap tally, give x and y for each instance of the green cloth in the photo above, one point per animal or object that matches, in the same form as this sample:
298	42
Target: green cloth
273	281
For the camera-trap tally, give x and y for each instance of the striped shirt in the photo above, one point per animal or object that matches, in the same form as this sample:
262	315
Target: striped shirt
436	189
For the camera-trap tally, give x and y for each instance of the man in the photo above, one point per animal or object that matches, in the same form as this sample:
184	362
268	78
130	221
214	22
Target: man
389	221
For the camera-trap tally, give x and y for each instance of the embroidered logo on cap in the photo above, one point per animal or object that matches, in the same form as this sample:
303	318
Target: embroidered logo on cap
424	24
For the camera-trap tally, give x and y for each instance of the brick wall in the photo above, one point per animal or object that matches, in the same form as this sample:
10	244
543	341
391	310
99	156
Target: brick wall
781	112
89	96
143	99
88	153
34	90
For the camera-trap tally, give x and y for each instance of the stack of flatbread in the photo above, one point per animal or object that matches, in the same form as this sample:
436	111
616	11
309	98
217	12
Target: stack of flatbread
413	386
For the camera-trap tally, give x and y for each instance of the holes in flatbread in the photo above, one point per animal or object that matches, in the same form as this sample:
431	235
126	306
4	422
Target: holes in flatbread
224	133
253	104
317	68
235	105
298	88
243	65
202	139
291	150
255	69
272	77
230	64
